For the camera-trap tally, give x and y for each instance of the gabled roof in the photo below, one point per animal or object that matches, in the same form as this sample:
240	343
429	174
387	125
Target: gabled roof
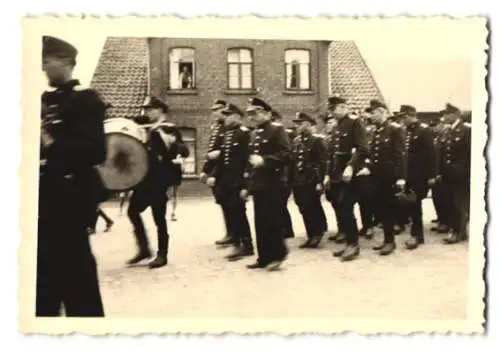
121	75
349	75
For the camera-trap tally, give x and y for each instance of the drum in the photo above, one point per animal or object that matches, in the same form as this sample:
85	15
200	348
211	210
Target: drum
126	162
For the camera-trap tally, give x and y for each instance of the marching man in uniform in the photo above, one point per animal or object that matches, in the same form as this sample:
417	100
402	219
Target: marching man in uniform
227	179
346	155
270	153
72	144
387	167
288	232
365	185
308	171
421	169
213	153
454	172
164	144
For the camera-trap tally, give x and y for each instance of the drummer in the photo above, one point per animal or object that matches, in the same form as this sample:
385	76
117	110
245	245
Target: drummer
164	144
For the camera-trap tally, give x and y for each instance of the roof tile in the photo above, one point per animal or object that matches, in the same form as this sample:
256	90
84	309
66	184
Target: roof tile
121	76
350	76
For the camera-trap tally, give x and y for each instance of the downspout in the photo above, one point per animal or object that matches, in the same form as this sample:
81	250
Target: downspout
148	85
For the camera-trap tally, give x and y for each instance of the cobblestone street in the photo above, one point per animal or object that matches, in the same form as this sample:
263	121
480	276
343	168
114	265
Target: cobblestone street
428	283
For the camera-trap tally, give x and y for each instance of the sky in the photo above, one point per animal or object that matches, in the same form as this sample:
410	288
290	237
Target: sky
409	69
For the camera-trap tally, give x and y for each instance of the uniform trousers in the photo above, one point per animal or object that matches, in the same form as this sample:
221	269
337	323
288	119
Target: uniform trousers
386	209
439	200
66	268
308	200
268	220
414	210
365	201
332	197
287	226
234	209
458	194
224	216
152	195
344	196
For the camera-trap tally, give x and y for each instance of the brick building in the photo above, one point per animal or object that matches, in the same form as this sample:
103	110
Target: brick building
190	73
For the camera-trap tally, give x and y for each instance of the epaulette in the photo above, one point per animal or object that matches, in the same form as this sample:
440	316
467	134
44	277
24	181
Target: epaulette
168	124
243	128
80	87
50	90
424	125
318	135
276	124
467	124
395	125
353	117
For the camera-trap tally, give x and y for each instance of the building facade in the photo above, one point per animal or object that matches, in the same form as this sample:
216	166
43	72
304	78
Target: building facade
189	74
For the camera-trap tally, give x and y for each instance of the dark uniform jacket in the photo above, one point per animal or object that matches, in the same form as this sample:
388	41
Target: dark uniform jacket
387	160
162	171
347	146
229	168
270	141
74	117
420	156
456	153
308	160
214	143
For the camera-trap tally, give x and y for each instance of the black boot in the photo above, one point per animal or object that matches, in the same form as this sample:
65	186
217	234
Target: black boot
351	253
366	232
159	261
413	242
227	240
315	241
305	244
387	249
141	255
246	249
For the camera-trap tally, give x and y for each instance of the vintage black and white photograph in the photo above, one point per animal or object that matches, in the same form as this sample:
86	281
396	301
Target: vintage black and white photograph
251	175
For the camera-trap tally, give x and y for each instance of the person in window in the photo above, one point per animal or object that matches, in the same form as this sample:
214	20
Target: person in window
186	78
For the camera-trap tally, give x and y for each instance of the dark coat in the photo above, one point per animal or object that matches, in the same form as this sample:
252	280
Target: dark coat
229	168
420	157
308	160
455	157
347	146
387	158
214	143
162	172
74	117
270	141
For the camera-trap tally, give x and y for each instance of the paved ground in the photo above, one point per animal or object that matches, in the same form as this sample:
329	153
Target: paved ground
427	283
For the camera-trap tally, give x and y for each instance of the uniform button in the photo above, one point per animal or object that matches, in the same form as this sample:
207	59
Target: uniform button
375	161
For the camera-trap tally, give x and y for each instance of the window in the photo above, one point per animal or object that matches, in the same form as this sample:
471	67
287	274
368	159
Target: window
189	138
240	69
182	68
297	69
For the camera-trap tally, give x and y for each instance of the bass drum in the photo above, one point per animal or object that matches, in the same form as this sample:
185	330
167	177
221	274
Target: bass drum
126	162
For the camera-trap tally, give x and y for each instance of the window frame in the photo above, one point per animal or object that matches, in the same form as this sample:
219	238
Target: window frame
309	68
170	50
252	69
194	154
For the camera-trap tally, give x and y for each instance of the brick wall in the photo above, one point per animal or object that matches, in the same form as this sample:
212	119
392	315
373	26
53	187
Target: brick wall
190	109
